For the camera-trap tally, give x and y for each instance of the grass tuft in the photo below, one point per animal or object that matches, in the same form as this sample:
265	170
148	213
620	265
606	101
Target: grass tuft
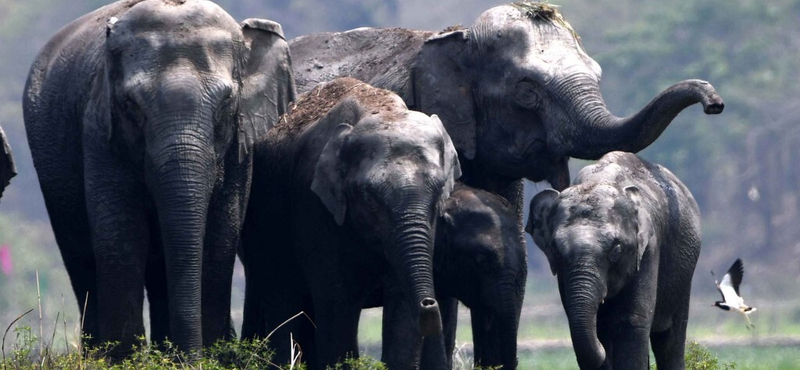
224	355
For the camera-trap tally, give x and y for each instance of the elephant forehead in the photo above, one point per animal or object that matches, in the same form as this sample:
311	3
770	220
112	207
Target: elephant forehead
404	138
178	15
584	237
211	51
596	204
536	38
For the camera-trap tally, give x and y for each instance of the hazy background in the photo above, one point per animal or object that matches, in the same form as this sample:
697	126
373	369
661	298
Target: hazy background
741	165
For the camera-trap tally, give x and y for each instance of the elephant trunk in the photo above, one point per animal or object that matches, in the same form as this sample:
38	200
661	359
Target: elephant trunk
595	131
582	300
411	253
494	331
180	175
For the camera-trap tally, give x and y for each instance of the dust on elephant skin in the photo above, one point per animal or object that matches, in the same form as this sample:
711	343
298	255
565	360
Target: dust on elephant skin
347	189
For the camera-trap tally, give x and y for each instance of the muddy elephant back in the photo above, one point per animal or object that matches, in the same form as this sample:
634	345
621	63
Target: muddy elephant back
380	57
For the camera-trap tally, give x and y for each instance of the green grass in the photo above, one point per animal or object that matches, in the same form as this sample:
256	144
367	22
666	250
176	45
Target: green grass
698	358
29	353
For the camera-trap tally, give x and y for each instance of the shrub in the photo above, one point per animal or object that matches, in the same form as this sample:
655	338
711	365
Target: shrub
698	357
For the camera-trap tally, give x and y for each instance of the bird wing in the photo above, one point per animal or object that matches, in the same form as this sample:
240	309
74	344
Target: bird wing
735	274
729	294
720	292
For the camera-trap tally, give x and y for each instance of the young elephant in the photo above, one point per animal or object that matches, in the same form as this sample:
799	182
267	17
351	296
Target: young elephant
347	189
623	241
480	259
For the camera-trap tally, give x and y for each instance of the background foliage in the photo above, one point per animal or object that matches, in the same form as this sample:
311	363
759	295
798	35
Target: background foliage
742	166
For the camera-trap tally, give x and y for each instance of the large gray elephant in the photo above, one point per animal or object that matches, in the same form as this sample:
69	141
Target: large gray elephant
346	193
141	118
623	241
516	91
480	260
7	167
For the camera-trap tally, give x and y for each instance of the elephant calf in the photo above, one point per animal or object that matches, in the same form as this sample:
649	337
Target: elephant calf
623	241
480	260
347	188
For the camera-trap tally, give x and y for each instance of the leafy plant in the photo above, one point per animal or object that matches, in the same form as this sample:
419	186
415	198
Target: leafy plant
361	363
698	357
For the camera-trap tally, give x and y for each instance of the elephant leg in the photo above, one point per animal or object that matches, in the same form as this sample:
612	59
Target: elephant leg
115	204
62	184
669	345
402	341
631	344
225	220
155	284
337	317
218	264
437	350
253	324
283	295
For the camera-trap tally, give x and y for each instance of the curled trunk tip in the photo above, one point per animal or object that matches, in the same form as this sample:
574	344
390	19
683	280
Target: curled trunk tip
593	131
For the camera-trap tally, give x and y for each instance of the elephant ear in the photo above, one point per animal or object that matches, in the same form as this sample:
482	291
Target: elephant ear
328	176
451	165
267	82
645	234
539	223
7	167
441	86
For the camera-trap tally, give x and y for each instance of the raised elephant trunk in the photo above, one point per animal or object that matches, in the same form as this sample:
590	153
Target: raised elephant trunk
180	176
410	253
582	300
595	131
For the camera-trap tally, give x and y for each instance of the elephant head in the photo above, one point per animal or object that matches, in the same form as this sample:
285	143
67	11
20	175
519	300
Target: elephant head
181	94
481	260
7	167
519	95
594	236
386	179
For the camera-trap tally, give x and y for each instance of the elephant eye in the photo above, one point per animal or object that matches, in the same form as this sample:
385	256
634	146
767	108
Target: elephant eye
615	252
527	94
484	260
370	202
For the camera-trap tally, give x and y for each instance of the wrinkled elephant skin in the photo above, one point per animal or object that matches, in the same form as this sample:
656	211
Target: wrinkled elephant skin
346	192
141	118
623	241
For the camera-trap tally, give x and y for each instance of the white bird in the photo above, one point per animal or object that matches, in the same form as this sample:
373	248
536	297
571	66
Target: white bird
729	288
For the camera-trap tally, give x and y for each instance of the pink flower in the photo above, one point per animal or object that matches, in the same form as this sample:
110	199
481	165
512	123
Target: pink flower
5	260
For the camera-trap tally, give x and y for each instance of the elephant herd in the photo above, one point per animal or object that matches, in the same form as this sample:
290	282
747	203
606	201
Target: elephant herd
168	138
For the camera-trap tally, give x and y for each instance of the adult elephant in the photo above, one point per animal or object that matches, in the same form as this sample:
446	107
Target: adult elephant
141	117
7	167
516	91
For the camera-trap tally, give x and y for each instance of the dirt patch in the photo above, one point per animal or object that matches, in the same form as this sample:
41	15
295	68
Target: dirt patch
315	104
